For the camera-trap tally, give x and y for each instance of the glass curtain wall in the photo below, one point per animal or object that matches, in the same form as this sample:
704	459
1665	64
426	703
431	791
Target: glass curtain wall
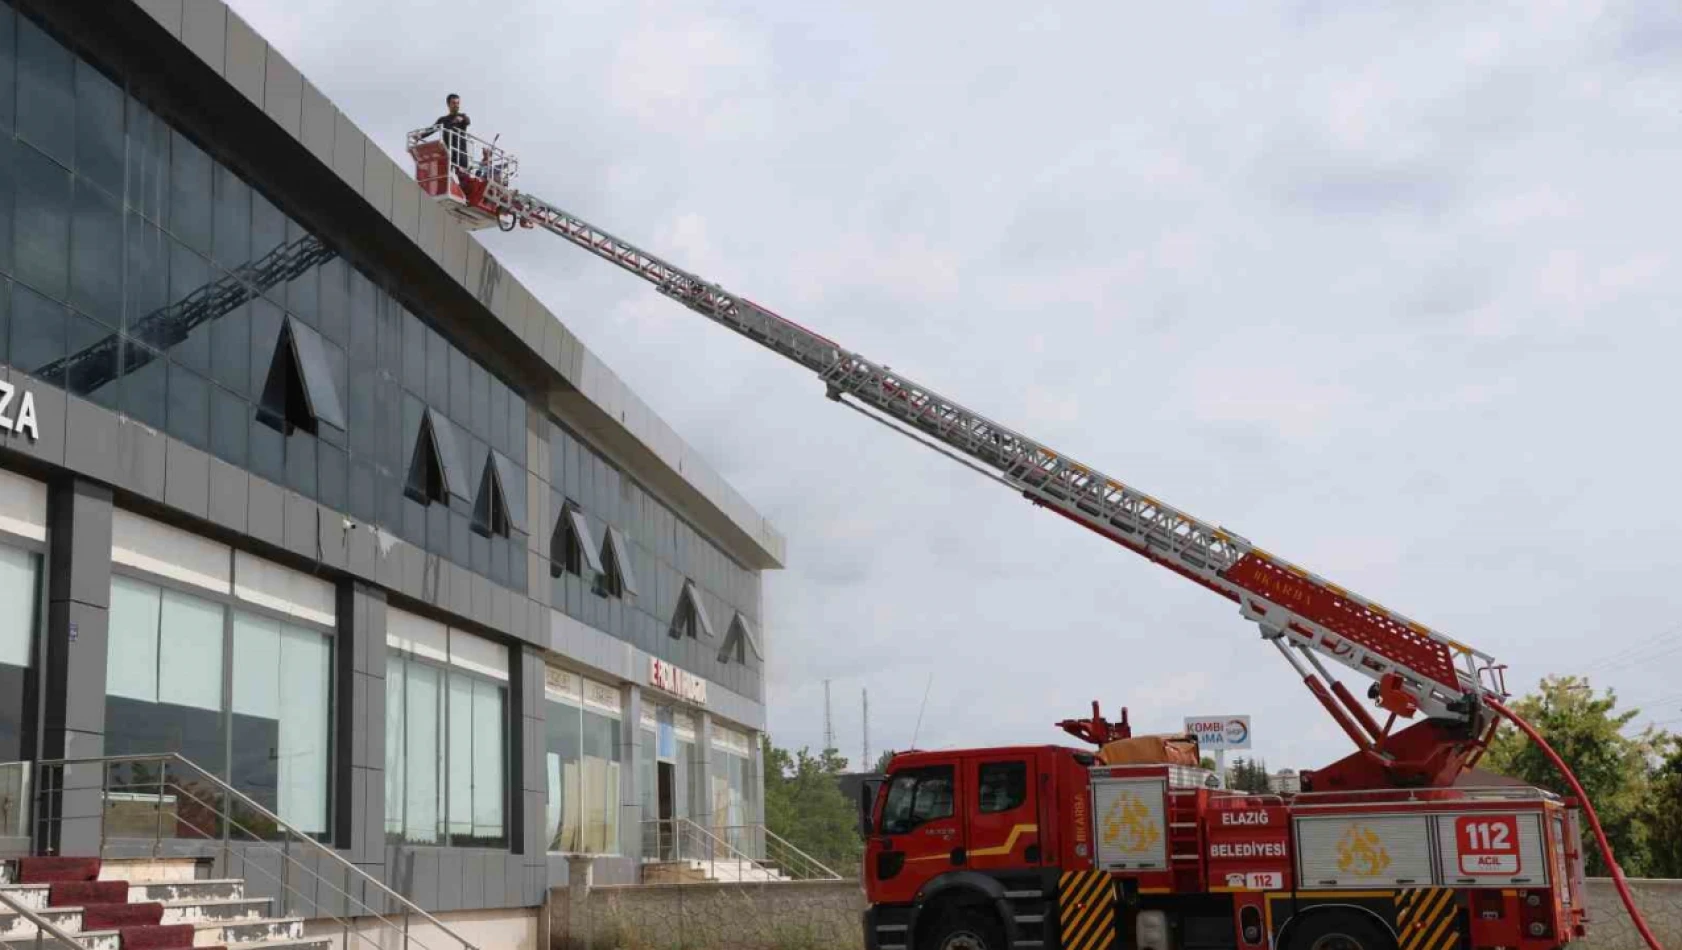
169	654
446	736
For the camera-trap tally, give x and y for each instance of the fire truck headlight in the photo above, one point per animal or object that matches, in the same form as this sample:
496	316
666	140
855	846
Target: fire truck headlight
1538	929
1533	899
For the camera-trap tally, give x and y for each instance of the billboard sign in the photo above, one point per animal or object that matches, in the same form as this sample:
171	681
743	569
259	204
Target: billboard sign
1220	733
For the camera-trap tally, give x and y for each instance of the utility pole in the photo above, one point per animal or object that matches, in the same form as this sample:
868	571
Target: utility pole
864	761
828	722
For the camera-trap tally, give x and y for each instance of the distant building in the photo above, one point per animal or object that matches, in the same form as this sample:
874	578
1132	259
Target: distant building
1284	782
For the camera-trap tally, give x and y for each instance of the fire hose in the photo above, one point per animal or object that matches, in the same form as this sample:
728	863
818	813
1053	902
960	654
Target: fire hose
1594	820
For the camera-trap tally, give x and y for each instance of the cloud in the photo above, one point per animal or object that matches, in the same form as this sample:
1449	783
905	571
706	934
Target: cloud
1391	290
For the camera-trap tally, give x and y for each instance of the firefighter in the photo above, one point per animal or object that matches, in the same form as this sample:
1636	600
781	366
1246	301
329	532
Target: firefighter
454	125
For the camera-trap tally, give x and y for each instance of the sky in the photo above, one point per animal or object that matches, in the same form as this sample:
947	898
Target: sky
1390	290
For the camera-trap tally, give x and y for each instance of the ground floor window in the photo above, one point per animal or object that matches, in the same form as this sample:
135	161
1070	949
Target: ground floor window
446	735
582	762
733	790
243	695
20	574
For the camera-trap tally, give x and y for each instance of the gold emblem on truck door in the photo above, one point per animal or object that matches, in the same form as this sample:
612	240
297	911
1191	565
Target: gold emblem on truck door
1128	826
1361	852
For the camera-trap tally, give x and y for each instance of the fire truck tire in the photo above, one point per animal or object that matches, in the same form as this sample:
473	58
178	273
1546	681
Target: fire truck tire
965	929
1339	929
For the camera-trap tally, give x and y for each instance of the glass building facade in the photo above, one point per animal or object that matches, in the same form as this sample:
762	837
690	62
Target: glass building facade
190	319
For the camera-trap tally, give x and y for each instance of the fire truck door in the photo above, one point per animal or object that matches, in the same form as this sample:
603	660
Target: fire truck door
921	833
1003	813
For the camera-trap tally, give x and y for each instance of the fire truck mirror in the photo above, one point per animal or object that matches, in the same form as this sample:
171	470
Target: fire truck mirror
867	804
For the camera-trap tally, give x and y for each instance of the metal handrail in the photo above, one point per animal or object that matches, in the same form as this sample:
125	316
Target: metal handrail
1429	795
816	869
713	843
105	761
42	924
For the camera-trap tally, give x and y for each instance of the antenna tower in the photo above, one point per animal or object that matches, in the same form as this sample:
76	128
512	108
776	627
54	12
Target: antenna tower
828	722
864	761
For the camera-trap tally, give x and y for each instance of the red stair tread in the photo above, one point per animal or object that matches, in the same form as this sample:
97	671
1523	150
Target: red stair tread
120	916
83	893
51	869
166	937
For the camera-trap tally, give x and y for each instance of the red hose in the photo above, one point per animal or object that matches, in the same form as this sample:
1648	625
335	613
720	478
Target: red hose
1594	820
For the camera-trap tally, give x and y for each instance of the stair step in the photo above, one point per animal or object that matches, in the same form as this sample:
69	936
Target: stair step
49	870
84	893
244	933
161	937
150	870
32	896
306	943
206	889
192	911
13	924
92	940
121	916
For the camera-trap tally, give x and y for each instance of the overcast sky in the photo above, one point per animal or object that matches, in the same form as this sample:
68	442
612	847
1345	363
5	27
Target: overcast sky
1392	293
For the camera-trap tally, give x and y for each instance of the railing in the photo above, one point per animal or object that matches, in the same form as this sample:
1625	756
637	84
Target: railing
724	853
44	928
1417	796
191	803
779	853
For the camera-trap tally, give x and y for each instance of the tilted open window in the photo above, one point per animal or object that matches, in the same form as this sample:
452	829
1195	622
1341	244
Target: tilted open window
739	642
435	468
299	391
500	504
571	548
616	578
691	619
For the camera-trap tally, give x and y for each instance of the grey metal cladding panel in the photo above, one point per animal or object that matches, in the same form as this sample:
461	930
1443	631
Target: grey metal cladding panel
166	12
495	883
514	488
362	553
91	432
406	197
267	512
455	251
473	879
229	488
247	55
187	479
373	723
80	561
377	174
449	873
477	273
283	90
140	459
319	120
622	550
299	531
204	29
85	680
449	455
503	613
332	538
349	151
323	395
359	732
332	889
50	422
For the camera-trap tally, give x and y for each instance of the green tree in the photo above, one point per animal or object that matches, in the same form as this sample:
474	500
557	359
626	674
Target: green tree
1615	769
1207	762
882	762
804	804
1248	775
1662	814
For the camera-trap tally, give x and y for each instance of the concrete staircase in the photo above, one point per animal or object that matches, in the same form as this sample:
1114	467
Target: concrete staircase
141	904
710	872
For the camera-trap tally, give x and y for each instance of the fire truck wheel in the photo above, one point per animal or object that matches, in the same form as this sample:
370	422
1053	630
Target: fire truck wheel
965	930
1339	930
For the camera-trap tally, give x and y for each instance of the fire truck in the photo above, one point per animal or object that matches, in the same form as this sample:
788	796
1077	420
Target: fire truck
1053	847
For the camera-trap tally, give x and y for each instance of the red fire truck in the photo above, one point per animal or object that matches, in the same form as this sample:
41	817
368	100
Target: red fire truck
1046	847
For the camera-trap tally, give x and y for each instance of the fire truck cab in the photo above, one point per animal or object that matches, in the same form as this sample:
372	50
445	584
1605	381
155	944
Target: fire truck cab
1044	847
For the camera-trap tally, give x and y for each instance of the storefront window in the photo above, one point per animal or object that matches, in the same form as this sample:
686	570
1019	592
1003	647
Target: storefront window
166	663
19	583
582	762
446	735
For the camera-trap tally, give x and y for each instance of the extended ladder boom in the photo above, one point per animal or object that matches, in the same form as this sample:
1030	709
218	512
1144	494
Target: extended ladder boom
1414	665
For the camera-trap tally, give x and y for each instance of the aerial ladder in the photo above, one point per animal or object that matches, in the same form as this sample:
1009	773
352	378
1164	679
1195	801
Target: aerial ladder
1456	693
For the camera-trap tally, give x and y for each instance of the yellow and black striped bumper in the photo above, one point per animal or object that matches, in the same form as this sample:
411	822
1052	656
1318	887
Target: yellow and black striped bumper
1086	910
1426	919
